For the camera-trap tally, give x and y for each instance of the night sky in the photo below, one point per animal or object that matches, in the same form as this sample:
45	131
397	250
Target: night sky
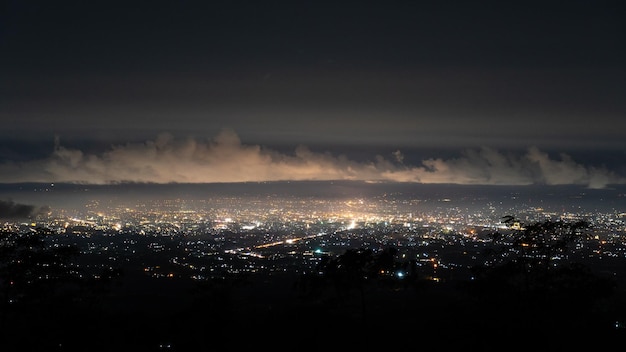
475	92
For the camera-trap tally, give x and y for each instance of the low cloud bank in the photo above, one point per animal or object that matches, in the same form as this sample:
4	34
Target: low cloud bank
225	158
9	210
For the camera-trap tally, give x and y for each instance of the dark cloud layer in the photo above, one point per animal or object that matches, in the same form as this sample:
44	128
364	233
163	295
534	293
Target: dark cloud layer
384	75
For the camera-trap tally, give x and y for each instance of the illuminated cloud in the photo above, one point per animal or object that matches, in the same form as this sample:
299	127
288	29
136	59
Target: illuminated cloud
225	158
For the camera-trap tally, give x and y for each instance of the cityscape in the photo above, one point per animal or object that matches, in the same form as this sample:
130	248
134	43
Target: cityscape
312	176
154	250
277	232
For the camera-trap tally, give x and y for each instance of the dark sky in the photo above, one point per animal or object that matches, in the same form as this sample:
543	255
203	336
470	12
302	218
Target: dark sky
441	91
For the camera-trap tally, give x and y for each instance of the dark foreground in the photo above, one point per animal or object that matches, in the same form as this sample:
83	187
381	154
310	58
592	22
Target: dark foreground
280	312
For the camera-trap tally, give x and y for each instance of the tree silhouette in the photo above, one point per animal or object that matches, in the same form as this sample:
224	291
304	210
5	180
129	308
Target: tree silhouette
529	273
42	288
30	269
531	255
356	271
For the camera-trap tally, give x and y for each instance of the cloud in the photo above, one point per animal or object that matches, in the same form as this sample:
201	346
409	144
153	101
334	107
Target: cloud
10	210
225	158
